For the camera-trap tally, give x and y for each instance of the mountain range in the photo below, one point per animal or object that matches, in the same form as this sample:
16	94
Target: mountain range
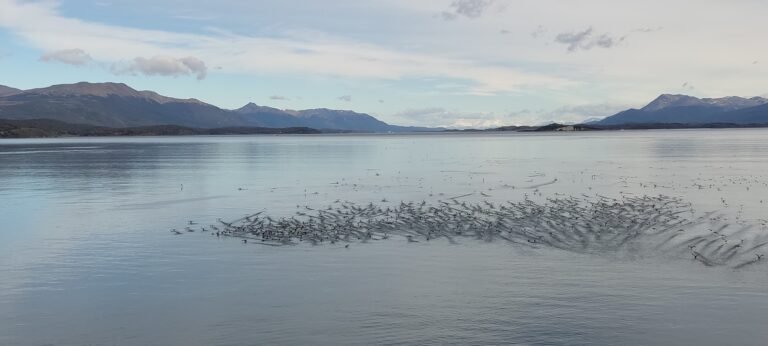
684	109
117	105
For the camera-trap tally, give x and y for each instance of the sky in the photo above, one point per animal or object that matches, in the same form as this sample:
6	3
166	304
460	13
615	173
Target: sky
450	63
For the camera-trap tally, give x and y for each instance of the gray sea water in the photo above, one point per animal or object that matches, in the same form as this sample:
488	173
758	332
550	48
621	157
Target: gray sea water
87	258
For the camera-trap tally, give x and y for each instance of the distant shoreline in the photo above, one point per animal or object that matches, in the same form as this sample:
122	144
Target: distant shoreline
46	128
592	127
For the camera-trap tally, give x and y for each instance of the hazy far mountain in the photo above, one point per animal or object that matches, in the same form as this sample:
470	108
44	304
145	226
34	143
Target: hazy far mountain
112	105
328	118
321	118
268	116
685	109
4	90
118	105
725	103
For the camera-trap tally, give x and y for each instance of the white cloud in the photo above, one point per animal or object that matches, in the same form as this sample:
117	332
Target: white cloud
42	25
441	117
163	66
345	98
580	113
67	56
278	98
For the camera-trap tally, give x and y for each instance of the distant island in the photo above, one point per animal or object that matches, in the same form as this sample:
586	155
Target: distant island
115	109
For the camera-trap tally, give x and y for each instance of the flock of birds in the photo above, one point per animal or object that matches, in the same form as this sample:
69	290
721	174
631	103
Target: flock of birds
630	225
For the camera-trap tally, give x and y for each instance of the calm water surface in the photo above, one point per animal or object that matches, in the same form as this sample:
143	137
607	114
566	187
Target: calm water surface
86	256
